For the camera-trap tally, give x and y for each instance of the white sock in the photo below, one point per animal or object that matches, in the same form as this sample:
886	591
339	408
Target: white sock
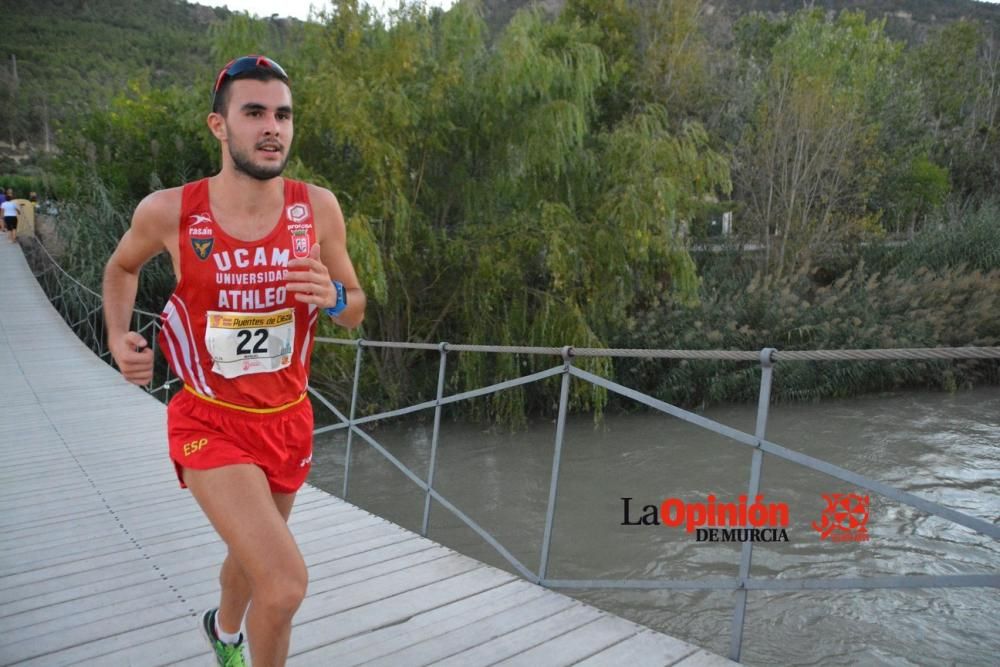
225	637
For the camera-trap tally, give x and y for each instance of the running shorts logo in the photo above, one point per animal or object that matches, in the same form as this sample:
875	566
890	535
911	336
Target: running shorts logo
194	446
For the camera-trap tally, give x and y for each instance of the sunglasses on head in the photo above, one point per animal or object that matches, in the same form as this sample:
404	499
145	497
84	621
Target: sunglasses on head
239	66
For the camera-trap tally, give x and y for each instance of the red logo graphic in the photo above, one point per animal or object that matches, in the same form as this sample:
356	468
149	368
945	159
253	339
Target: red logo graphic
301	248
845	518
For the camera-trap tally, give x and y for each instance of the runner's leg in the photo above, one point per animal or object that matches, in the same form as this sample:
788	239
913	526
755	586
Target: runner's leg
239	504
235	585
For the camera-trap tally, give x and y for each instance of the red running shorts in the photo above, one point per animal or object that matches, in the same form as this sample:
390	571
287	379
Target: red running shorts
204	435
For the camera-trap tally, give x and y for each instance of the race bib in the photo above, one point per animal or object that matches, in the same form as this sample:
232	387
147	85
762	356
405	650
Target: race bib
246	343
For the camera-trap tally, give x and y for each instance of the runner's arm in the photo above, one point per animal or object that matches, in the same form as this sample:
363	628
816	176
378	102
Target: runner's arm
333	263
141	242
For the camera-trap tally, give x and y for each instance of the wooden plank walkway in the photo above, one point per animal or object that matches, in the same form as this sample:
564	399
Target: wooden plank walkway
105	561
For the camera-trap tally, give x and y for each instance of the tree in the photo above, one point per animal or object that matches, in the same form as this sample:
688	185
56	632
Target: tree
10	84
677	58
958	71
148	139
505	204
492	192
918	187
805	162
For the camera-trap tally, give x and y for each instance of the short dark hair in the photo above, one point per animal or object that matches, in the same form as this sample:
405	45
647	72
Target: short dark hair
257	68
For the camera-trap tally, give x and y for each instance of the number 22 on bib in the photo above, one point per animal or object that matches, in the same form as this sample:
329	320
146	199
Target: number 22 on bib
246	343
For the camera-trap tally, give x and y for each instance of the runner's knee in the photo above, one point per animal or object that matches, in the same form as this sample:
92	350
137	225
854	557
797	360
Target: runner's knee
282	594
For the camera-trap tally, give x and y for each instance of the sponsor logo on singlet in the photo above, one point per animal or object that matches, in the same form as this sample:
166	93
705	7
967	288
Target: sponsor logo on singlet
251	278
300	244
202	247
297	212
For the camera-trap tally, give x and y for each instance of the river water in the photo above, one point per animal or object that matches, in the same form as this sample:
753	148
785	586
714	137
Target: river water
943	447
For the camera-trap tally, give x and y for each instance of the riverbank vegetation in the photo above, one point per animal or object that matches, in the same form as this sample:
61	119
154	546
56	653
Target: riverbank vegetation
563	181
942	290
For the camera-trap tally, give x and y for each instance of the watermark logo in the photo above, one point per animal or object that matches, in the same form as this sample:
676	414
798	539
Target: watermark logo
845	518
713	521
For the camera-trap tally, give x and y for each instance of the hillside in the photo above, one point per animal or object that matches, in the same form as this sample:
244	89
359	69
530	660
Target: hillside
65	56
905	19
909	19
61	56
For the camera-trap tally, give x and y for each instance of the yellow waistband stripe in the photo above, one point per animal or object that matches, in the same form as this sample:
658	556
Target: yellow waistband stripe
243	408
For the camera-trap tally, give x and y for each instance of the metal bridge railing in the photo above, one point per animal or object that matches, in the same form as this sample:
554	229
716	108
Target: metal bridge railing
81	307
742	582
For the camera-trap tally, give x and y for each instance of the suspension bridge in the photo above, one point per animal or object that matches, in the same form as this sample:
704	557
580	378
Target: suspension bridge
105	561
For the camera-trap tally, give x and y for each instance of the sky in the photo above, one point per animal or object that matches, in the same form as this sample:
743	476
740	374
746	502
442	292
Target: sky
300	8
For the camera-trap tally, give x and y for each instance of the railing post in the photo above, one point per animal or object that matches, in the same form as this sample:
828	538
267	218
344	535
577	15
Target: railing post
434	440
350	427
556	459
763	403
154	336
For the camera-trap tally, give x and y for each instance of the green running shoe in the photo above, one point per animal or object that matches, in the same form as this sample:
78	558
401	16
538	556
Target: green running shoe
228	655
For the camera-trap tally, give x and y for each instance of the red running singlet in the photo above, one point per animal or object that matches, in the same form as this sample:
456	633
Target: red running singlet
231	331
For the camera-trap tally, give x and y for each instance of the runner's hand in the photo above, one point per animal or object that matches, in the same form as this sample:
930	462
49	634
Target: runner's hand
310	280
134	358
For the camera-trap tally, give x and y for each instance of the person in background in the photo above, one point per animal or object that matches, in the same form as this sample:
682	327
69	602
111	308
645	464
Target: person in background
10	210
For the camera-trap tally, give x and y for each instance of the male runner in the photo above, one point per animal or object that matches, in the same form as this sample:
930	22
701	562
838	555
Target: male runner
239	331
